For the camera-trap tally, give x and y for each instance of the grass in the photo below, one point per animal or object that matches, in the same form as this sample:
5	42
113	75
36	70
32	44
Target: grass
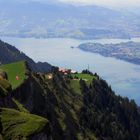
3	92
13	70
87	77
20	124
75	85
5	84
89	136
20	106
4	87
61	118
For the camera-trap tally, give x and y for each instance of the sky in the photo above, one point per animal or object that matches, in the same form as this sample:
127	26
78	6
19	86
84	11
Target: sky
107	3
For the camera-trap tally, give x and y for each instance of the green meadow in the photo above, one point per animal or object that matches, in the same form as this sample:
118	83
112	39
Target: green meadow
87	77
75	85
14	70
16	123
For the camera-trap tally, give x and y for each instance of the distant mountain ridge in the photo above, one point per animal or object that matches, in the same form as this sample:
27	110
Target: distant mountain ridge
10	54
34	19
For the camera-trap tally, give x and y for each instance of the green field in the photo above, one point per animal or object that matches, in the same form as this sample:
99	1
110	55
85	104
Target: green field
13	70
5	87
87	77
23	124
75	85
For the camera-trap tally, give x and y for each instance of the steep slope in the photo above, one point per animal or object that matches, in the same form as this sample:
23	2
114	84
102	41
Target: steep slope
20	125
10	54
5	87
16	122
77	109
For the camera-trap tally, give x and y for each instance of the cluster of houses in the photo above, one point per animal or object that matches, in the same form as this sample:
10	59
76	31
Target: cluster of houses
67	71
63	71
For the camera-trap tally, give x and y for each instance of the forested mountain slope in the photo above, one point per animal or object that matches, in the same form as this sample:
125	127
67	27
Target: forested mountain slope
75	109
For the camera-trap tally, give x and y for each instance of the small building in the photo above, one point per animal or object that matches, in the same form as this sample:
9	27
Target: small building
65	71
73	72
17	77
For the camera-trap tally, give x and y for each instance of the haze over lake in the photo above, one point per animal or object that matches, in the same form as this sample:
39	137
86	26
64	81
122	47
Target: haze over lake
124	77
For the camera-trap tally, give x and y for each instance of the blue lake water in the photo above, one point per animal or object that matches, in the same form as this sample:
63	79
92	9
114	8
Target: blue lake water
124	77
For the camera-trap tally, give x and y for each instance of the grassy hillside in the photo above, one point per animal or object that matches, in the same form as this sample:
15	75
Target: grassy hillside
19	125
5	87
86	77
77	107
13	70
75	85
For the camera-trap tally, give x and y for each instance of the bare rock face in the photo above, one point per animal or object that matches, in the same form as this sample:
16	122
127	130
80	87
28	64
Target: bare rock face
3	75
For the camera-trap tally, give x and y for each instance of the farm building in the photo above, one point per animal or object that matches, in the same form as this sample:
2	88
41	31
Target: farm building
67	71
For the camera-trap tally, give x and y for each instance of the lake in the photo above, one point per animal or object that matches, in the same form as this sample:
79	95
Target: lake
124	77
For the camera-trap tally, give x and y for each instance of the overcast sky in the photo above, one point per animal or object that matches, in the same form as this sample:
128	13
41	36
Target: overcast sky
109	3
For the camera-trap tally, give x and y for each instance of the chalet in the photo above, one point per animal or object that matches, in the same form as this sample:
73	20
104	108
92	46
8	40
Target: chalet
64	71
73	72
67	71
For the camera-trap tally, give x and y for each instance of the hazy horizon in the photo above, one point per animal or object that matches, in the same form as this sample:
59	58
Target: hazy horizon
106	3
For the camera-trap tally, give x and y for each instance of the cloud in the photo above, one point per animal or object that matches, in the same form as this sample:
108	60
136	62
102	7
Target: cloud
114	3
108	3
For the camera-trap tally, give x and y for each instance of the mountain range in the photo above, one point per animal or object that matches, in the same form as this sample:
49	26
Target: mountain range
35	19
